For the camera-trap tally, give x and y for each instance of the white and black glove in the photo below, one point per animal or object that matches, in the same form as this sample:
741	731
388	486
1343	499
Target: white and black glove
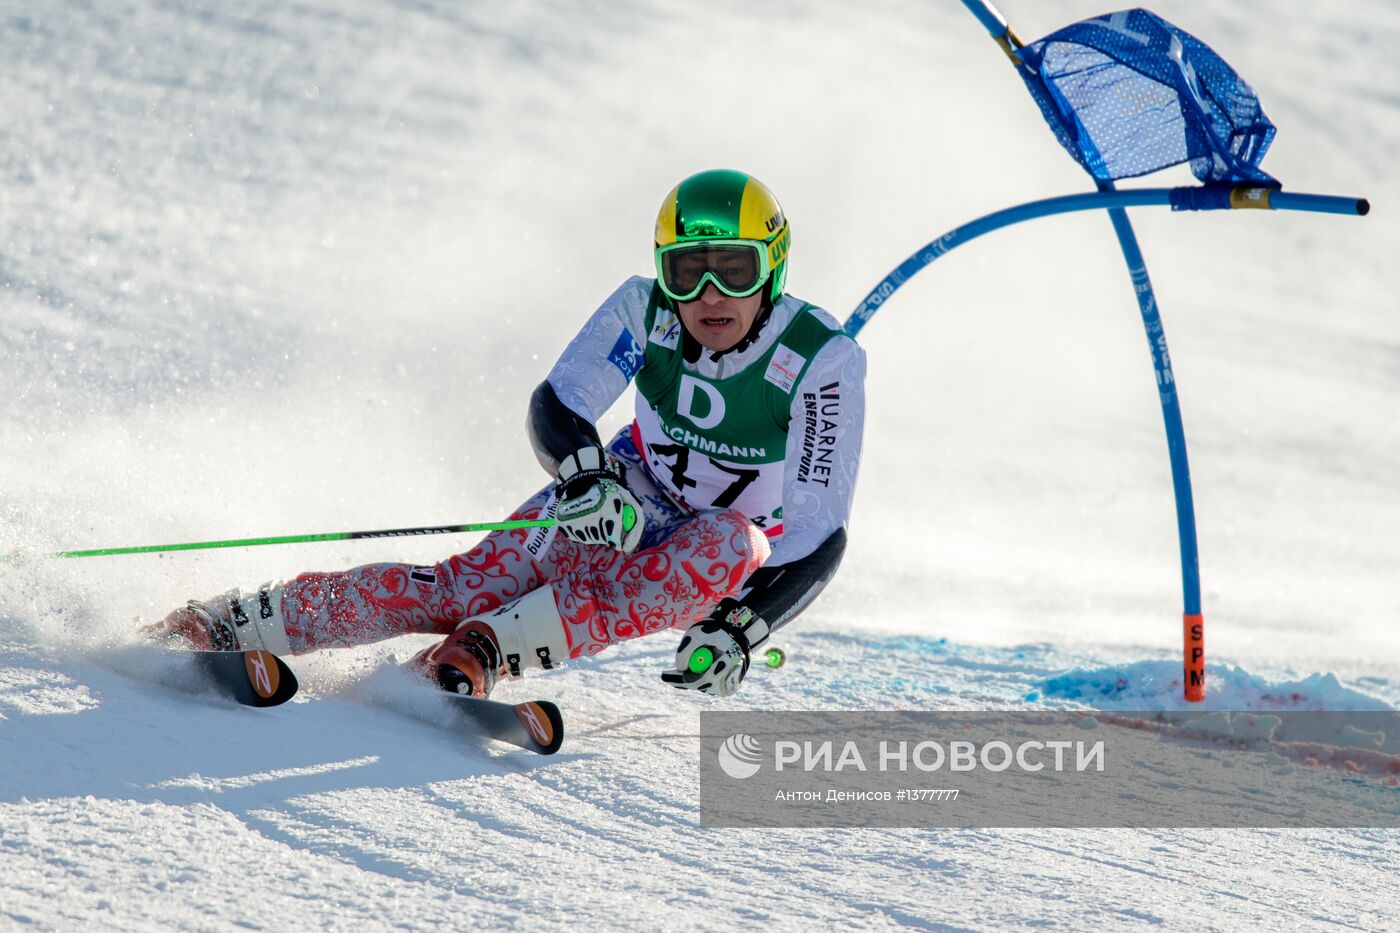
713	657
595	506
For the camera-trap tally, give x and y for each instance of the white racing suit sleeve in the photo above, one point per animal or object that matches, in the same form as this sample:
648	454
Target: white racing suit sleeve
592	373
819	482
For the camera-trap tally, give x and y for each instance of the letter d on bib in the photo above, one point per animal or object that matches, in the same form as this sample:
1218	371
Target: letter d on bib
685	405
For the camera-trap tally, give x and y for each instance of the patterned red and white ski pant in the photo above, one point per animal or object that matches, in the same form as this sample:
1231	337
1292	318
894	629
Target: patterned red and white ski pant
684	566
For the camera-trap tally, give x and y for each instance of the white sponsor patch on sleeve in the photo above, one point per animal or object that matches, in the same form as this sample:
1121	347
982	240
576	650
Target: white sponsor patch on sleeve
784	368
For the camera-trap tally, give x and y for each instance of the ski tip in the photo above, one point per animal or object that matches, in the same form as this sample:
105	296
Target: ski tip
544	723
271	681
252	678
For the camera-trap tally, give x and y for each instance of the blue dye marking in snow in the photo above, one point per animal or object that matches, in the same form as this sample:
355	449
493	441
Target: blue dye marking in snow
1077	686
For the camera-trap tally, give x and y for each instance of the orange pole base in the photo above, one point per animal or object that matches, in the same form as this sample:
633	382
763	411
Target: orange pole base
1193	672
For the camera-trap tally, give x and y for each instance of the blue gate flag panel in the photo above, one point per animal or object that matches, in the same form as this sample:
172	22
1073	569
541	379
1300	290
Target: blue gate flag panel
1128	93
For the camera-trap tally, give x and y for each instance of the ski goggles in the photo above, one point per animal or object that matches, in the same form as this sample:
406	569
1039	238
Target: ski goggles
738	268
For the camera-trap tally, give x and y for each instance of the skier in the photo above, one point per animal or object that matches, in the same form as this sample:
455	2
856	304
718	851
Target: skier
721	510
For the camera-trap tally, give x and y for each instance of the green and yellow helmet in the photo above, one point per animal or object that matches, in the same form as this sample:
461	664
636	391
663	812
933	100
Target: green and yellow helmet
721	227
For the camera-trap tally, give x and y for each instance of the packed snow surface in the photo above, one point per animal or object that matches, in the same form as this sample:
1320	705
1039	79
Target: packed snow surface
274	268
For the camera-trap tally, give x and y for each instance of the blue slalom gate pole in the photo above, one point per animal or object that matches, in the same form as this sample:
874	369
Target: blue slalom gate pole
1193	622
1235	183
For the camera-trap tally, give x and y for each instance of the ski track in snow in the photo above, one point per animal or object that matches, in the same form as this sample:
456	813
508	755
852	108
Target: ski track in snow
297	268
388	820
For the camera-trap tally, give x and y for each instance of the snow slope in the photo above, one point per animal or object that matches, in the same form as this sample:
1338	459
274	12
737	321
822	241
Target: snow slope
296	268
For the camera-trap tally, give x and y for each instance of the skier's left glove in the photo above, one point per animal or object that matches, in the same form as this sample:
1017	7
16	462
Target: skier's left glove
595	505
713	657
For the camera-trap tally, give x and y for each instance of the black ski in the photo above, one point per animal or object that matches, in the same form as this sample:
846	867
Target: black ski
252	678
535	724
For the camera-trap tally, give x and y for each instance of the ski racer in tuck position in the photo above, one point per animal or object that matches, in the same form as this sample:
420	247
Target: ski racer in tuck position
721	510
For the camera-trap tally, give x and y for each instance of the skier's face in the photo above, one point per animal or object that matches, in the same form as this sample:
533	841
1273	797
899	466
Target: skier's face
718	321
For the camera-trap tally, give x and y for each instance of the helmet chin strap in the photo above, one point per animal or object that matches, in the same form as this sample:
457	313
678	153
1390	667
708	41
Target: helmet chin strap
692	348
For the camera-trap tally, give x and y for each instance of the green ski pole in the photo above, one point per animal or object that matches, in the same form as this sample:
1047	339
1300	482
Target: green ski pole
15	558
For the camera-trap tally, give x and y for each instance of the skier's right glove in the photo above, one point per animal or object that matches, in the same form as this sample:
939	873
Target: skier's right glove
713	657
595	506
